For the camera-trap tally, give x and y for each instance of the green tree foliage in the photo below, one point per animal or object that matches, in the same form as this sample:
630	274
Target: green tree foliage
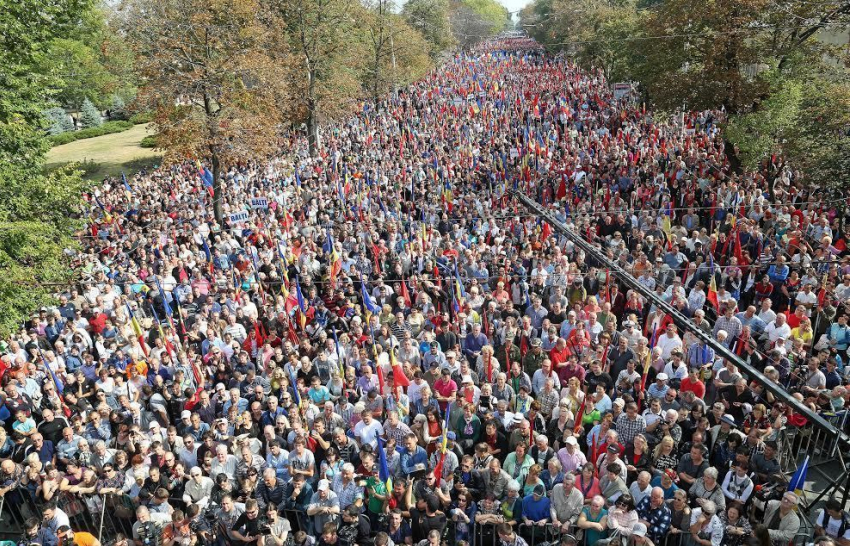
90	115
323	37
431	19
397	53
37	210
117	108
475	20
58	121
92	60
804	123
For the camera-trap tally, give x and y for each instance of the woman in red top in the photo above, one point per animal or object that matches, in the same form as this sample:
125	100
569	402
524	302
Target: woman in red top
588	483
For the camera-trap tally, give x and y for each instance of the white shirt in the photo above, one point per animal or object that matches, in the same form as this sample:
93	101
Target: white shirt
776	333
667	344
368	434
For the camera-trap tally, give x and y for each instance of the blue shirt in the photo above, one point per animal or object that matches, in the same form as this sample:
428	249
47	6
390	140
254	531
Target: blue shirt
536	510
409	461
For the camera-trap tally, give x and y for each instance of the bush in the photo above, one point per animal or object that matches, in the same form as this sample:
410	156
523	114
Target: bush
59	120
142	117
107	128
90	115
148	142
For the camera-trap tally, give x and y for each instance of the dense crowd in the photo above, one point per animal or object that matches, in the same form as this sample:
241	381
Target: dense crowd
379	345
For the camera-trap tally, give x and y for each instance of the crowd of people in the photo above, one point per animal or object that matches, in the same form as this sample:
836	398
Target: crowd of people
379	345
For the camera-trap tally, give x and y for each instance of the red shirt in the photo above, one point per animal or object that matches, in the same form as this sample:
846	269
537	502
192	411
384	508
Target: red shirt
445	389
697	387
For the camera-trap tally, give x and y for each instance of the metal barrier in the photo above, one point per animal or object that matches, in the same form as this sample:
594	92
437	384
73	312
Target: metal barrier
108	516
540	535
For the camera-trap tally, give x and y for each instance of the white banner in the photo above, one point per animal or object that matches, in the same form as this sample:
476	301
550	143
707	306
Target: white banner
258	203
238	217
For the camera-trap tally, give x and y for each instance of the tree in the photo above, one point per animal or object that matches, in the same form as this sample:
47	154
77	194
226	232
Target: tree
90	115
804	124
474	20
394	48
322	35
117	108
58	121
705	54
431	19
210	79
38	210
91	61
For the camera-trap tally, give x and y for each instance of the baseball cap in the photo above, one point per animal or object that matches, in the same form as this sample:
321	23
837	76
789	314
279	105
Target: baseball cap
536	342
185	414
451	435
662	377
324	485
639	529
571	440
539	489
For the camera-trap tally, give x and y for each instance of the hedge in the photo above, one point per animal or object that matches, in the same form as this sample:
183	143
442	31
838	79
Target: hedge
106	129
148	142
142	117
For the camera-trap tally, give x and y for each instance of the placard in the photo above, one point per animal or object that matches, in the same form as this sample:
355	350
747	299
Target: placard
258	203
239	217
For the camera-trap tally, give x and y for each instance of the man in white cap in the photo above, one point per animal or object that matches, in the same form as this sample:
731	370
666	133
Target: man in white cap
324	506
639	537
571	456
198	488
659	388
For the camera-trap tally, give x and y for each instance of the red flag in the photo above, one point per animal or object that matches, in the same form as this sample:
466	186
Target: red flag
580	414
562	190
546	232
399	377
739	254
711	294
380	377
405	294
438	470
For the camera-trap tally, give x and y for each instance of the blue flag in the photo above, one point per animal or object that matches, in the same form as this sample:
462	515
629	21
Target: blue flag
383	469
126	185
367	299
798	480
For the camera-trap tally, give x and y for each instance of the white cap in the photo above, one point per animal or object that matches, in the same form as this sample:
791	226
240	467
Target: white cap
571	440
466	379
662	377
186	414
324	485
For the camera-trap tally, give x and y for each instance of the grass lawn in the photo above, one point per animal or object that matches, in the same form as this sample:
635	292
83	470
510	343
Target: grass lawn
107	155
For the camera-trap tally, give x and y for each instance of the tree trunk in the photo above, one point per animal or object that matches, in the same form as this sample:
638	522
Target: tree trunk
313	128
312	114
732	156
217	189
